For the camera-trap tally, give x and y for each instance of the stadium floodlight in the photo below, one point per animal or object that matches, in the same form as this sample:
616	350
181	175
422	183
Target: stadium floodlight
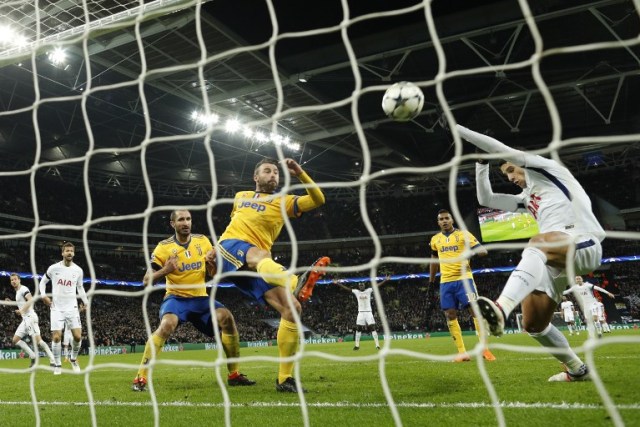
57	56
232	125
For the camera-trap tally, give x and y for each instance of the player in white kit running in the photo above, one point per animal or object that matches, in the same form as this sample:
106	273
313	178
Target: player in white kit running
365	321
66	281
29	325
569	233
567	309
583	293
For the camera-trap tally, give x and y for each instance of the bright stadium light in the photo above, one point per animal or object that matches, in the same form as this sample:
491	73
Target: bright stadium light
232	125
57	57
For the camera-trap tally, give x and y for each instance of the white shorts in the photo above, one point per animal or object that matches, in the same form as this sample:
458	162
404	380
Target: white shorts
365	318
588	257
568	316
29	326
70	318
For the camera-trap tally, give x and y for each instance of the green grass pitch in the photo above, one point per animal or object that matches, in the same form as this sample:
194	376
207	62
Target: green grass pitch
501	230
345	392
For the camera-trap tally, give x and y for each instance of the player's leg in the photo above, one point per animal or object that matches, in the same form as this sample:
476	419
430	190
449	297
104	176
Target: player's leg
17	340
229	336
449	304
537	312
66	344
74	325
170	310
37	339
570	326
371	327
465	296
360	326
597	325
288	338
57	323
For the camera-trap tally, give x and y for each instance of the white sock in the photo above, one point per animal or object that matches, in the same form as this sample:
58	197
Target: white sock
23	345
570	328
598	328
523	280
358	334
47	350
56	349
559	347
75	349
606	327
374	334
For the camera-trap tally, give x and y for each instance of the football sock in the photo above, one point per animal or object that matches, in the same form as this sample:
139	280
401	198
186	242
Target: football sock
456	334
75	349
358	335
275	274
23	345
56	349
523	280
231	347
374	334
43	345
476	325
288	341
598	328
558	346
153	343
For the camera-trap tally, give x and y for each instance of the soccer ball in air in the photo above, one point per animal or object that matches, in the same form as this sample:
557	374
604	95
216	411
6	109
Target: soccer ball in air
403	101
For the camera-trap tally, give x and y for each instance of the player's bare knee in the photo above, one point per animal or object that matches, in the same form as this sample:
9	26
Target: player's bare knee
451	314
225	319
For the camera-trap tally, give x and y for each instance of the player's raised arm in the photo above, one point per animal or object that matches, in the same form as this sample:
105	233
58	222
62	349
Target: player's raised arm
314	197
486	196
604	291
492	145
346	288
386	280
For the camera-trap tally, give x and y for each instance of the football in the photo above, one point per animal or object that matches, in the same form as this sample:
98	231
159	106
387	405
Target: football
403	101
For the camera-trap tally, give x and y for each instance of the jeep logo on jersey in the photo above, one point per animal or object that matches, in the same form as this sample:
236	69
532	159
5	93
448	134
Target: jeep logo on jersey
62	282
449	249
259	207
191	266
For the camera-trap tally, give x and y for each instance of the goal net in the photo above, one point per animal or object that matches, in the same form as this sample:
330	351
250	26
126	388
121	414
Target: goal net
115	113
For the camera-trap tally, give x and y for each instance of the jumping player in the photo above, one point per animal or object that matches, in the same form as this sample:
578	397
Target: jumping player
256	222
569	233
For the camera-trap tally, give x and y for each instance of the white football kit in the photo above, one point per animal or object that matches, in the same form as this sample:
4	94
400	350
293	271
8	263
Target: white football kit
65	283
553	197
597	310
365	315
584	295
29	325
567	311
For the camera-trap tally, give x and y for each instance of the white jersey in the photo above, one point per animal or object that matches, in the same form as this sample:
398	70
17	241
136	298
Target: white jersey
567	308
364	299
584	295
21	299
552	195
65	282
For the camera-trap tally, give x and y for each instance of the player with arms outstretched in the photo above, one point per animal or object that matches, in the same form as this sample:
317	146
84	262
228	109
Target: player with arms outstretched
447	247
66	280
567	226
365	321
256	222
29	325
181	260
583	293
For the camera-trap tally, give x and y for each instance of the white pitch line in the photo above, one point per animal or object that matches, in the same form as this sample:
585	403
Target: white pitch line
342	404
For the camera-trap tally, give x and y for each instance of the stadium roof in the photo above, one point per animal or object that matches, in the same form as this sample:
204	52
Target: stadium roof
130	90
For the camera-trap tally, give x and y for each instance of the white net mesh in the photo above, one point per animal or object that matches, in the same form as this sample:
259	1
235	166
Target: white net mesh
167	101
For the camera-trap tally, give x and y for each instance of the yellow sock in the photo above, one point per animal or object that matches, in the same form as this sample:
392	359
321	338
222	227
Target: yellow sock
231	347
287	346
477	326
456	334
275	274
157	343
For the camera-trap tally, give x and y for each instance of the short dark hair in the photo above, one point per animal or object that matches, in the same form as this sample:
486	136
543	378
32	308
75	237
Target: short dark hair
441	211
265	161
14	274
67	245
174	213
